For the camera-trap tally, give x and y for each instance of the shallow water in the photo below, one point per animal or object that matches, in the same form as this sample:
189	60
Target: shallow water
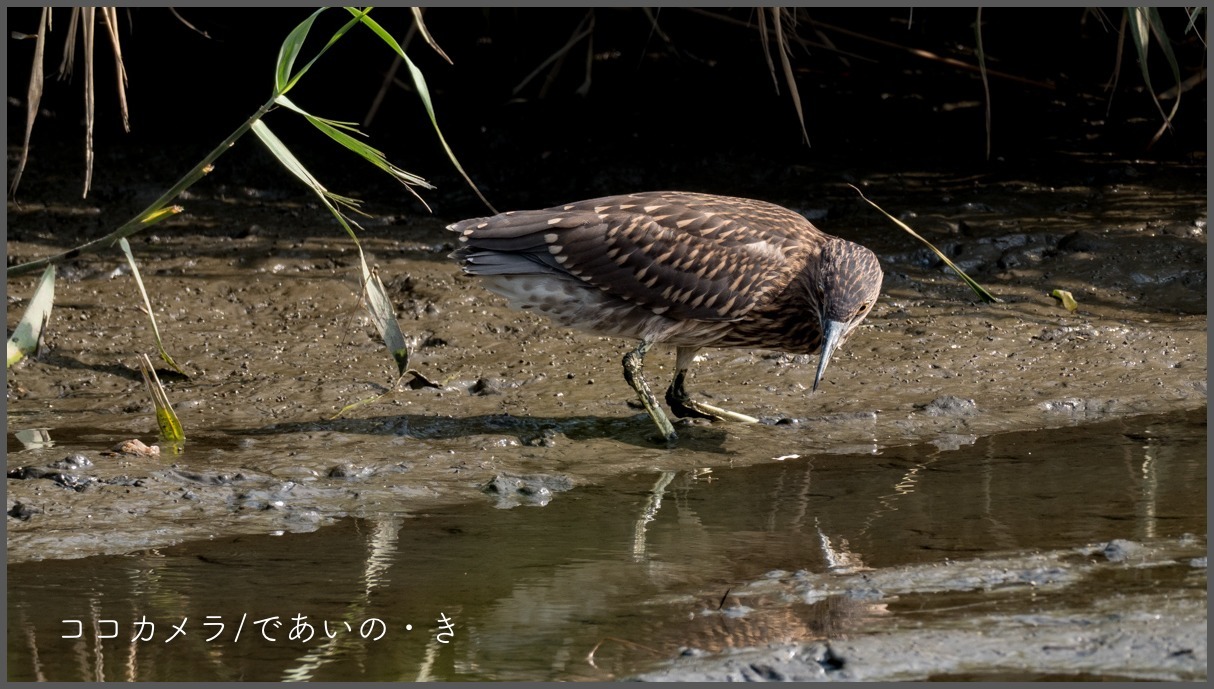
614	579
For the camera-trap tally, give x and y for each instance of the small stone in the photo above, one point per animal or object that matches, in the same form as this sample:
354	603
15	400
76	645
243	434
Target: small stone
949	405
1120	550
23	511
73	461
534	489
135	448
483	386
1081	240
349	470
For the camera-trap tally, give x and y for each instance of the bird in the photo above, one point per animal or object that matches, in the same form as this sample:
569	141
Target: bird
685	269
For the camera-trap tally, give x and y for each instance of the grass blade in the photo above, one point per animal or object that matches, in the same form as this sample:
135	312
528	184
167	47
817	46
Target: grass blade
88	26
978	289
284	81
33	96
289	161
289	51
28	333
1112	89
421	26
337	131
110	15
1161	35
384	316
1194	13
147	303
166	419
423	92
1145	21
785	63
771	66
378	303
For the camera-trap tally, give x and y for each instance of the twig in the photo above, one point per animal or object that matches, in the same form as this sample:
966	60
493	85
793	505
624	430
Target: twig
824	38
928	55
805	43
389	79
585	87
1184	86
986	84
578	35
182	19
653	20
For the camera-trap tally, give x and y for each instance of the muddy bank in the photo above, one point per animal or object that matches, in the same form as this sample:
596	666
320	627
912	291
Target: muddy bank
258	301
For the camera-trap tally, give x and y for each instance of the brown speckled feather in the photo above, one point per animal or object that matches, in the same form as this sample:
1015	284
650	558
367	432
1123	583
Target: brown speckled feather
682	255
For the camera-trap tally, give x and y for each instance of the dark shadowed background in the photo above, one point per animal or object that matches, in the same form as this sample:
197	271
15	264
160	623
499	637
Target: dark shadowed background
688	102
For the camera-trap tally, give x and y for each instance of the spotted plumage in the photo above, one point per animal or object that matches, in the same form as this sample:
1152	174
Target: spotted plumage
685	269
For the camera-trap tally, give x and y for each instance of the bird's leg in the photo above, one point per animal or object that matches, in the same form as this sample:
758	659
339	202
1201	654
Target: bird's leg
633	361
681	403
676	396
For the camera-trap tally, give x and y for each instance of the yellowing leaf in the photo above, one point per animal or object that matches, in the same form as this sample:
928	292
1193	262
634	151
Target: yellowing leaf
1068	301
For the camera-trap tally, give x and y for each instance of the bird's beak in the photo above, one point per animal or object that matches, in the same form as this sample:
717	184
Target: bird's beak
832	332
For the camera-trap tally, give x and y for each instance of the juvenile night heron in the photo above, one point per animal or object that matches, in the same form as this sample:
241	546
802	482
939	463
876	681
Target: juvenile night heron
684	269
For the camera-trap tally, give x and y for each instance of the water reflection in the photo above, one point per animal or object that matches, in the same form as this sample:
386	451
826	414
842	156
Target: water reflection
606	579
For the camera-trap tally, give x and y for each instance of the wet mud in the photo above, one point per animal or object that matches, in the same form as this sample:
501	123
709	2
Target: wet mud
258	299
259	302
1076	552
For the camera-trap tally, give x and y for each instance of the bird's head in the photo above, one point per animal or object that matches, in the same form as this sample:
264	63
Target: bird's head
844	290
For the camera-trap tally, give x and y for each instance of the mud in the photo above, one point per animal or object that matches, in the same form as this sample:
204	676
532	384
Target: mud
258	299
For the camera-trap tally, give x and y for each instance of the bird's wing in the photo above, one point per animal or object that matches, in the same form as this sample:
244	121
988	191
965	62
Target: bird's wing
686	256
753	220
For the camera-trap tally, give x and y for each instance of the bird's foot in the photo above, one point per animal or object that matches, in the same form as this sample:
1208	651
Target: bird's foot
686	407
